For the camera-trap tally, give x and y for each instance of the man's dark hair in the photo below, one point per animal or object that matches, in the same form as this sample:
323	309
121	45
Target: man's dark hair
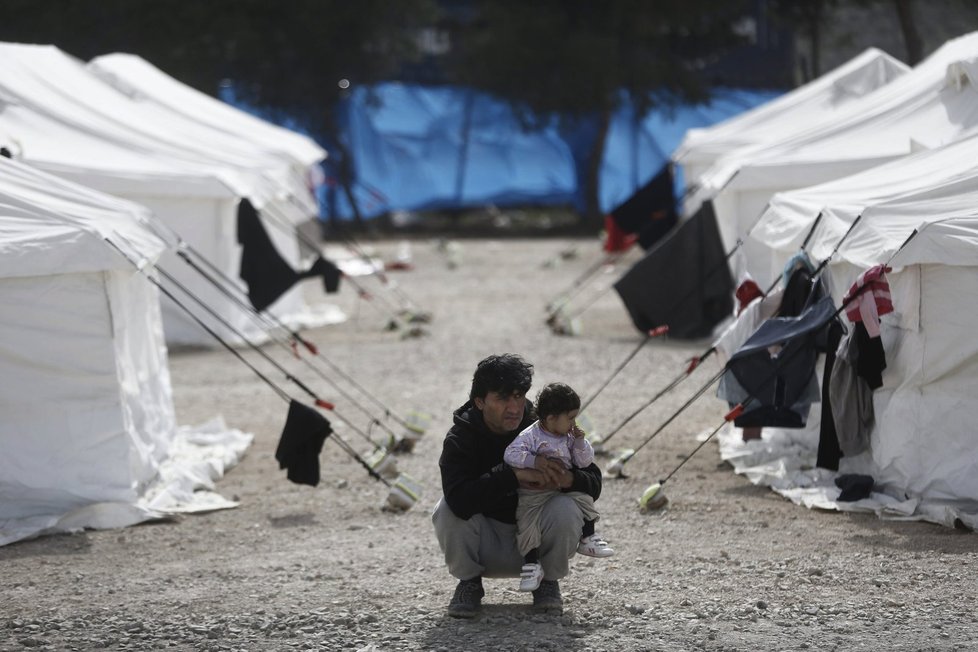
556	398
504	374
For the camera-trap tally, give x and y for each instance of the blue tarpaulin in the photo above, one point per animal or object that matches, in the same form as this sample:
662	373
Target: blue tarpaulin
416	148
636	149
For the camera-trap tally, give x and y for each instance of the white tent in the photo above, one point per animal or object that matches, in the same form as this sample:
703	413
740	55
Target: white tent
921	452
790	215
780	118
88	426
61	118
143	82
933	104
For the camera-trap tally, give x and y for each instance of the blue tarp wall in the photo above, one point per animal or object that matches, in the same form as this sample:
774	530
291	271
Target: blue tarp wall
416	148
636	149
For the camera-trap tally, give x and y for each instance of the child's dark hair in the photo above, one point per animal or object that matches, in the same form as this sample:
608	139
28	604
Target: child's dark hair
556	398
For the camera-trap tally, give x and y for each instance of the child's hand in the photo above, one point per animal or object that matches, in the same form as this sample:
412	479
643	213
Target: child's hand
576	431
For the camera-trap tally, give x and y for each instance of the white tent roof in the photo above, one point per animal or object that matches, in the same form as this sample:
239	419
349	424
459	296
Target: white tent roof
790	215
146	83
54	227
64	149
45	79
940	215
934	104
56	115
929	106
952	239
88	429
781	117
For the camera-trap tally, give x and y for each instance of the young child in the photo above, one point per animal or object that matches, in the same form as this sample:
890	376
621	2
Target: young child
554	436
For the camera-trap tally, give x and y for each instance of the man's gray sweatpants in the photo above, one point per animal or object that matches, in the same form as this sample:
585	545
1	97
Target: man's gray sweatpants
487	547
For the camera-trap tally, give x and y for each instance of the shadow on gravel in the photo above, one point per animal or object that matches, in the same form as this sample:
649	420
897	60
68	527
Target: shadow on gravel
292	520
748	490
56	544
910	536
867	529
505	627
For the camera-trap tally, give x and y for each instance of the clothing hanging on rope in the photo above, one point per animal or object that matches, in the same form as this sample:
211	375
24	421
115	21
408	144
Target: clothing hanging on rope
650	213
684	281
267	274
776	368
852	399
871	292
301	443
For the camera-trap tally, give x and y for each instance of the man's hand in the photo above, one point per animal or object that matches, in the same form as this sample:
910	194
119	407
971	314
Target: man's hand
531	478
536	479
550	468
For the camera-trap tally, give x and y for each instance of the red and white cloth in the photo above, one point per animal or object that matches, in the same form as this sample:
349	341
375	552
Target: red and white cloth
869	298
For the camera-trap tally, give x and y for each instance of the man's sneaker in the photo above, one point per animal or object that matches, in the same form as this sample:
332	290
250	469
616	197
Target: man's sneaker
547	598
531	576
594	546
467	599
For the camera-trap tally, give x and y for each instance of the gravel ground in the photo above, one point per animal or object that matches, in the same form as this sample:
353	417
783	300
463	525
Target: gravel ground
725	566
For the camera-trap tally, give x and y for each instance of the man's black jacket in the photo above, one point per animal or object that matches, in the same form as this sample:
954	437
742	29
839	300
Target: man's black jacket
474	477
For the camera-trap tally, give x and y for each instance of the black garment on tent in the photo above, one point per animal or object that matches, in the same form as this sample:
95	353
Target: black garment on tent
267	274
684	281
799	292
871	359
328	270
301	442
829	450
777	383
651	211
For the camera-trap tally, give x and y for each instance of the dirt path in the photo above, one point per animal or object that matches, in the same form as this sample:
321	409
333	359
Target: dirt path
727	566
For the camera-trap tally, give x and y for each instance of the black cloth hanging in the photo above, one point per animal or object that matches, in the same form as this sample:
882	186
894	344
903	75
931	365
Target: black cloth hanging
683	281
267	274
301	442
328	270
829	449
871	358
799	292
650	213
774	371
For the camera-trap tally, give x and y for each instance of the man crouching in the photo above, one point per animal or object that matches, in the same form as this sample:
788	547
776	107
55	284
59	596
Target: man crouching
475	521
